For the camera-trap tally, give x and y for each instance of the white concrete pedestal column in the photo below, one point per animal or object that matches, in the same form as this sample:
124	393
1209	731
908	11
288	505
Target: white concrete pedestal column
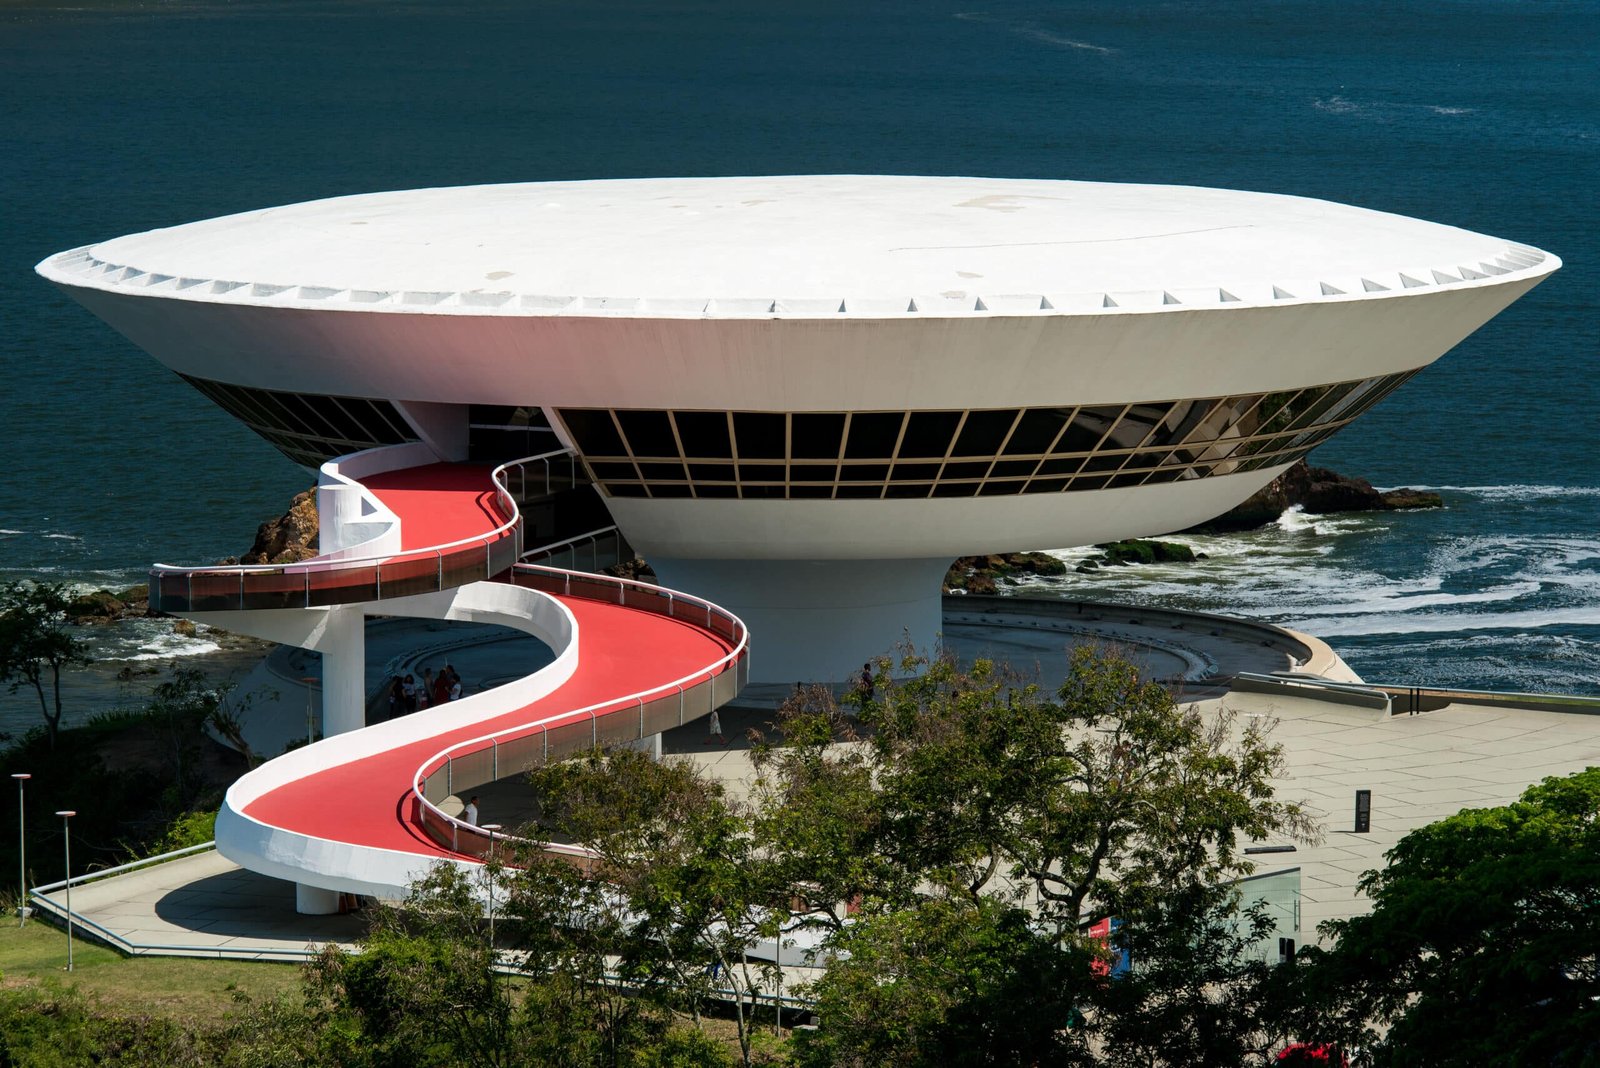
315	901
818	620
344	671
343	646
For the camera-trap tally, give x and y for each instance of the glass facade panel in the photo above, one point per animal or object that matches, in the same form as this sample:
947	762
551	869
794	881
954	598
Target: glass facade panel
984	432
309	429
816	435
1088	426
648	433
593	431
761	435
873	434
987	452
928	434
705	434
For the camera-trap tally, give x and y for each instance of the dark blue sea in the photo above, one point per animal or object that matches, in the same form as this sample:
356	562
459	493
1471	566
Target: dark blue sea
120	117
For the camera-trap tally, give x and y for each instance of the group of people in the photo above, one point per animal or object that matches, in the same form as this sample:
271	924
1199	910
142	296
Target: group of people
411	693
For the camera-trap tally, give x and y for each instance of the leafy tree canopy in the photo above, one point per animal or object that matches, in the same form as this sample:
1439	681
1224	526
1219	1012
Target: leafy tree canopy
36	644
1482	944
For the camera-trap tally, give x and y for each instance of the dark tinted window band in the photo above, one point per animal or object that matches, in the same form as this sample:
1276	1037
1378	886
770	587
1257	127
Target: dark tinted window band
974	453
309	428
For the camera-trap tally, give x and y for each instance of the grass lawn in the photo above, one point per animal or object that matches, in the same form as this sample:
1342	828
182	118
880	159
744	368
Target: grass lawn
192	991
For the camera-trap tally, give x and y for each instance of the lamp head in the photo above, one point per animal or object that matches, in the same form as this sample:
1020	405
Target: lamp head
67	813
20	775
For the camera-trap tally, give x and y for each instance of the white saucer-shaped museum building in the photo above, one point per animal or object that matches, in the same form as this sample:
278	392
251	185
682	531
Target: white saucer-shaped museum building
801	397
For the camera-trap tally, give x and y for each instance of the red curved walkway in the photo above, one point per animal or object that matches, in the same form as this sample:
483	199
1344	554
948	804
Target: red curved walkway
368	802
438	503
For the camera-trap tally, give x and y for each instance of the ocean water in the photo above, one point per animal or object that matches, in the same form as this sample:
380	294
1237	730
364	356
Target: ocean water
122	116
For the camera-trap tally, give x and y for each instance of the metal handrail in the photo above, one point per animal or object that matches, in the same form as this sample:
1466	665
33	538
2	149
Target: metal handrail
432	765
318	564
103	873
551	547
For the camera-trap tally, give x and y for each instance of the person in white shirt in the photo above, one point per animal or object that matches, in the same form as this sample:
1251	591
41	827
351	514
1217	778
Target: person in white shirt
455	689
470	813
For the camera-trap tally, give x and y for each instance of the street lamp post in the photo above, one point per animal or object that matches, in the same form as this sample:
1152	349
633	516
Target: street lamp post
489	874
66	831
22	851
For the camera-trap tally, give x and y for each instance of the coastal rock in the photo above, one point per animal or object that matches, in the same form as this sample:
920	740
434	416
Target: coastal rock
979	574
101	606
289	538
637	569
1406	498
1145	551
1317	490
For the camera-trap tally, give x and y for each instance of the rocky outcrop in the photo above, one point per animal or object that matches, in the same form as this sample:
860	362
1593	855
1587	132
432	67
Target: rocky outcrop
106	606
980	574
289	538
636	569
1316	490
96	607
1145	551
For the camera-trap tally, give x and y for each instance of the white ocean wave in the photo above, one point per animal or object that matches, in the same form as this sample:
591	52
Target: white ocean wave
1450	622
1337	105
1516	491
159	651
63	537
1340	105
1046	37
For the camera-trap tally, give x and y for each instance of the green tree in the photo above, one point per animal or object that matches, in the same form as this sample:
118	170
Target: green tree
423	990
35	645
950	981
1483	944
691	894
975	789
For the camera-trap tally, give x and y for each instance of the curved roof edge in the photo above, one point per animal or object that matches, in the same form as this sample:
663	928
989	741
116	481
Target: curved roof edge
80	268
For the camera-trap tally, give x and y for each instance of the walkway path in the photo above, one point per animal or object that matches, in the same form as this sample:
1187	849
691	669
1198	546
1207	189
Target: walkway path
366	802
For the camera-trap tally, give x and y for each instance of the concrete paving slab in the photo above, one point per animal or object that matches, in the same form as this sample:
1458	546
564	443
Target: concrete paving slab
203	904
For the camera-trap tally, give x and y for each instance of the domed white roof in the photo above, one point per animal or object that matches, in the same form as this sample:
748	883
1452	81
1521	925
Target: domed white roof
808	246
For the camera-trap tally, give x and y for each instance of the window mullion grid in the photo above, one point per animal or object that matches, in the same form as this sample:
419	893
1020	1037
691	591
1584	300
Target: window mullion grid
1016	419
733	456
949	449
1096	450
894	451
683	454
1051	448
838	457
628	449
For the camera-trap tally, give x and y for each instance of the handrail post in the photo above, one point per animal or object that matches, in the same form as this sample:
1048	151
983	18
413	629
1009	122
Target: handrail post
241	591
680	704
449	775
440	554
495	757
